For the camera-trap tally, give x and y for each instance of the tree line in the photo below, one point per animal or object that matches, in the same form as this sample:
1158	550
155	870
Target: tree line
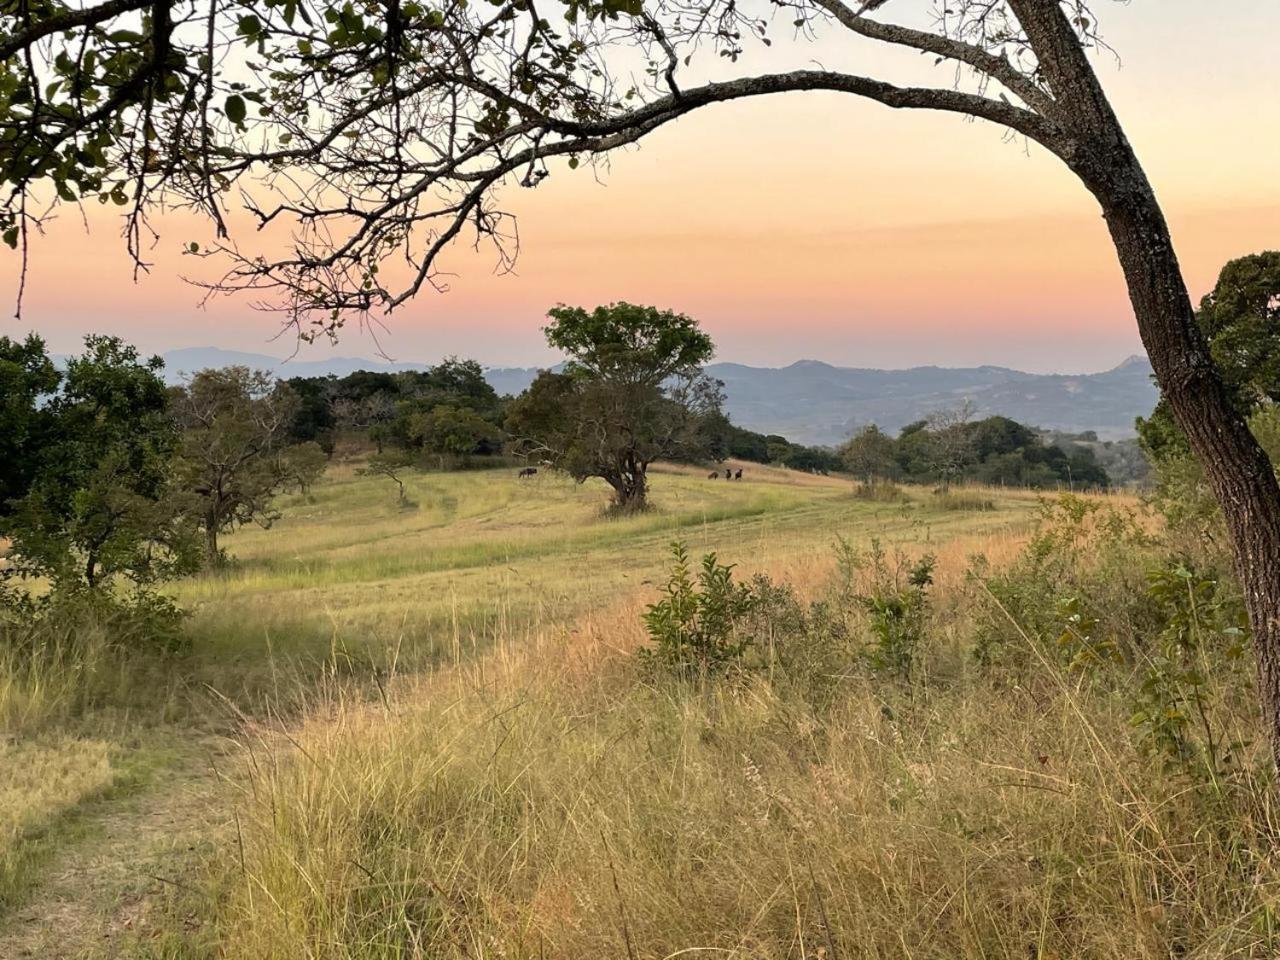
106	472
951	446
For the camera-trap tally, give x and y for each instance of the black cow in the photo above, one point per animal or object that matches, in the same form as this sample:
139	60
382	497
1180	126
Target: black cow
528	472
728	474
738	475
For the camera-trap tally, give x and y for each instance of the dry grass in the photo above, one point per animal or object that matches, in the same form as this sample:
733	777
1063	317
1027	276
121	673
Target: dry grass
537	795
546	800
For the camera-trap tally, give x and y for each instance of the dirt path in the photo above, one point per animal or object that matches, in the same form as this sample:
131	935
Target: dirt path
99	894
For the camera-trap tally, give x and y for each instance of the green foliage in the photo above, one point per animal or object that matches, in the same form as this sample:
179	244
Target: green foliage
138	620
869	455
1204	623
235	454
1099	599
627	344
27	379
632	393
99	499
697	627
951	448
707	625
896	605
1240	318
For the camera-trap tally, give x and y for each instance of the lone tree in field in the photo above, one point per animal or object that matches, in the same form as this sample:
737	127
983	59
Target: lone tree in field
235	455
381	131
632	392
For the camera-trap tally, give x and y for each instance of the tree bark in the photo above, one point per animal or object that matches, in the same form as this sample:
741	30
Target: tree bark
1093	144
211	543
1242	477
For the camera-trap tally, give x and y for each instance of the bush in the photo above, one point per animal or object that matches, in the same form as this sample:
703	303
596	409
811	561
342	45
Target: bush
696	627
709	625
878	490
76	650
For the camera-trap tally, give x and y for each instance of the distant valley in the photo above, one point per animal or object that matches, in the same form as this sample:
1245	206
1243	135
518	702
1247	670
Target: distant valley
816	403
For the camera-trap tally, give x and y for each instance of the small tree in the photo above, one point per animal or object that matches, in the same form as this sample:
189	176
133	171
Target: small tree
632	392
391	465
96	450
869	454
235	457
950	447
451	431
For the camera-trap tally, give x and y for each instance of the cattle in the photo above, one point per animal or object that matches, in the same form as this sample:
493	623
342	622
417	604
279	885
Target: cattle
713	475
738	475
728	474
527	472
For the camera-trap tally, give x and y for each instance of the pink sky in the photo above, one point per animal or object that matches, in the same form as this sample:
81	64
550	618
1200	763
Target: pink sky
806	226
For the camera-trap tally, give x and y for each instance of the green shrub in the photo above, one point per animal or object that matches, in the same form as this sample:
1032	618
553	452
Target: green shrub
707	624
896	605
697	626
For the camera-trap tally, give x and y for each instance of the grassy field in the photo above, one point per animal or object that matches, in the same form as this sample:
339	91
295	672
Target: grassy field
347	576
421	733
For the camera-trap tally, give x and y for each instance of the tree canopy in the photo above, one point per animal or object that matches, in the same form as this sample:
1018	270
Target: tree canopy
632	392
89	493
379	133
1240	318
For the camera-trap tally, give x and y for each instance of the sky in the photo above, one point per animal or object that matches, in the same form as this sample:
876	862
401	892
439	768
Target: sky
803	226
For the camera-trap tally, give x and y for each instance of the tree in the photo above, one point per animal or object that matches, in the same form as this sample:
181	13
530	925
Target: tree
632	393
425	111
27	378
869	454
235	455
450	431
951	442
97	500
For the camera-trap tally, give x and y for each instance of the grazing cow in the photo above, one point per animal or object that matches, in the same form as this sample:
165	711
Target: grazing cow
738	475
528	472
728	474
713	475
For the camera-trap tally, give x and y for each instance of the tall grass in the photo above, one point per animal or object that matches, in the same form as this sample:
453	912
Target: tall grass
550	798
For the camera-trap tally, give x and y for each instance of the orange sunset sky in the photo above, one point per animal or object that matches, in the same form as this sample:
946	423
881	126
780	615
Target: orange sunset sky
804	226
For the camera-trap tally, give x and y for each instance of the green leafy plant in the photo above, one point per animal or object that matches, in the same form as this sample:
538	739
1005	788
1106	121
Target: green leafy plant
896	606
698	625
1204	623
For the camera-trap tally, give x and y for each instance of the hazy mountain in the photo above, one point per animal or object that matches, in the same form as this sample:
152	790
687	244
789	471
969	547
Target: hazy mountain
814	402
191	359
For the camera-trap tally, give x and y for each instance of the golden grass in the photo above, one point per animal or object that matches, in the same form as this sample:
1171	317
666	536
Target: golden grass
535	795
348	576
545	800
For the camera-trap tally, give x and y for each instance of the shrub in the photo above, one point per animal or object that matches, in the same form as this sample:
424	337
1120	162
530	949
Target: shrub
896	605
707	624
696	626
878	490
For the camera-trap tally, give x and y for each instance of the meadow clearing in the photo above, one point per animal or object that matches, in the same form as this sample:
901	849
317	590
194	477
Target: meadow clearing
423	733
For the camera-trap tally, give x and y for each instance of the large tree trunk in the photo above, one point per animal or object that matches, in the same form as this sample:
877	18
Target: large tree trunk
1238	470
1093	144
211	555
630	492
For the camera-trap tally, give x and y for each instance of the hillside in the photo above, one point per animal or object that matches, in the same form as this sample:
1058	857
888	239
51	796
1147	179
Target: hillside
817	403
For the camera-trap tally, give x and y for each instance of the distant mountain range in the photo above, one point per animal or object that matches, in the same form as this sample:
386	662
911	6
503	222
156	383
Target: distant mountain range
816	403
